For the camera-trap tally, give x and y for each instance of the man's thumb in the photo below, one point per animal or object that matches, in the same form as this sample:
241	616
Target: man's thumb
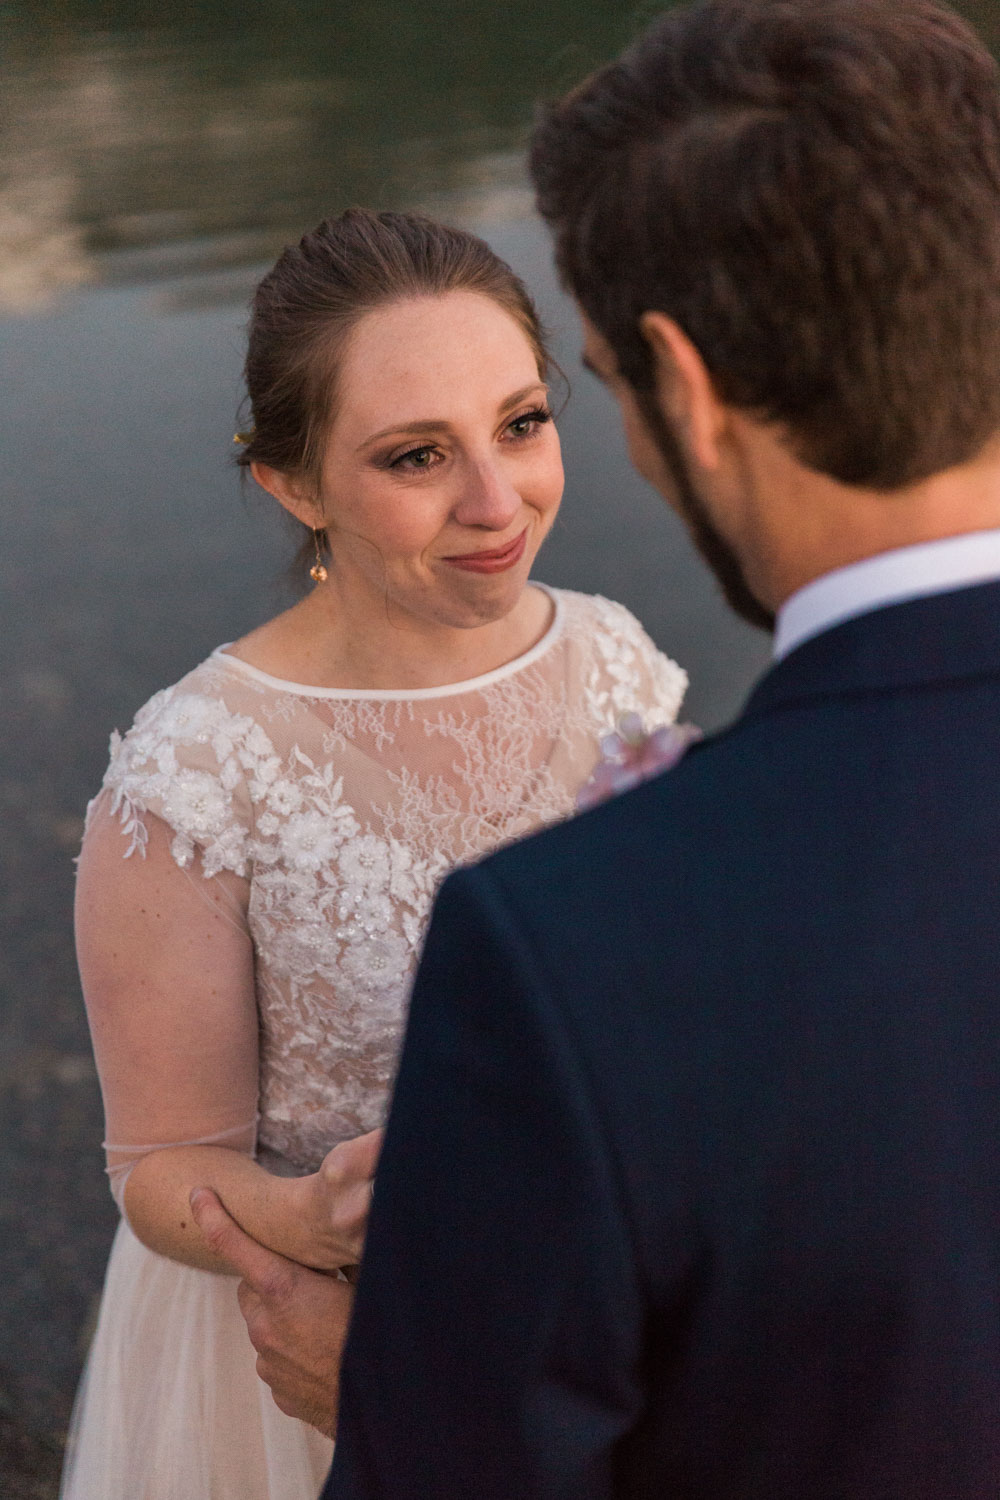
259	1267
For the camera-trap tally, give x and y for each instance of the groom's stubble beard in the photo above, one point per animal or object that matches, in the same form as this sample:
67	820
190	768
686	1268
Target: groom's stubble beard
713	548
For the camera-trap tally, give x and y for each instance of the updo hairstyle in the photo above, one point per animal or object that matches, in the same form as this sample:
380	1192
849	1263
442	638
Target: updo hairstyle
306	307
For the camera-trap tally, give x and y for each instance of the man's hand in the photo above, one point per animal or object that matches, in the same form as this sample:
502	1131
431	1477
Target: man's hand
332	1204
297	1318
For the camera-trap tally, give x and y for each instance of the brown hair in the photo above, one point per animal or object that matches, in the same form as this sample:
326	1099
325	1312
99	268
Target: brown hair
306	307
811	188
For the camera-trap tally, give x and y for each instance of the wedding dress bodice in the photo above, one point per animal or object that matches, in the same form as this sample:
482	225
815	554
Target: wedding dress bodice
341	812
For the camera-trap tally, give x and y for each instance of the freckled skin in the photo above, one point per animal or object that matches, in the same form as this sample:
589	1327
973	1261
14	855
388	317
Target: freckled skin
440	447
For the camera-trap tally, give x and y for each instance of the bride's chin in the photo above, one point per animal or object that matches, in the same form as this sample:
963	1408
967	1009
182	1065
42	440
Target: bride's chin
478	600
474	617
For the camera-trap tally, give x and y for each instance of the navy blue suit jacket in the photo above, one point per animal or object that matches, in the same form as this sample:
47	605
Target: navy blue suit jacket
691	1183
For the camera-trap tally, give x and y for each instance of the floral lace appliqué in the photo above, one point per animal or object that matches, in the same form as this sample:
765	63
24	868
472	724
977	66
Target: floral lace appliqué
344	813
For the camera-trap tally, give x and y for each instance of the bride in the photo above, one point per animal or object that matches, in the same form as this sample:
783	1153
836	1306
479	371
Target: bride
260	863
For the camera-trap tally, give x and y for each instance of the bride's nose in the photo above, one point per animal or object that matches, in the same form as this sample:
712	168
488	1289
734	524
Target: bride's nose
488	498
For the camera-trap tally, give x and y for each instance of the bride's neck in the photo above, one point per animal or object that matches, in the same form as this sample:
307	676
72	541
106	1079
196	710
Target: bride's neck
325	642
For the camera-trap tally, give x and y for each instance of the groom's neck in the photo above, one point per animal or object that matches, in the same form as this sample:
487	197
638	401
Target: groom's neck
797	525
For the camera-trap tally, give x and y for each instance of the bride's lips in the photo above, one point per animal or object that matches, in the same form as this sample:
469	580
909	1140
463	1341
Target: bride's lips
497	561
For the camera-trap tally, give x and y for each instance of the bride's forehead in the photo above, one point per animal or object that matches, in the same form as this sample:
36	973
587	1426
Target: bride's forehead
463	330
432	360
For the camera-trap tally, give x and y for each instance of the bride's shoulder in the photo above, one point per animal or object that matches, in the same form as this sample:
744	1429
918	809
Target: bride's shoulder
614	645
214	721
208	693
195	755
601	621
594	610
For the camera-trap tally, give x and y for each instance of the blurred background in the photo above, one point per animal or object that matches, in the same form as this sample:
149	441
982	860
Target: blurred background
153	161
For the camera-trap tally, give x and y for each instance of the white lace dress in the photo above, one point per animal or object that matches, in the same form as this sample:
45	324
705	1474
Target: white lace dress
341	812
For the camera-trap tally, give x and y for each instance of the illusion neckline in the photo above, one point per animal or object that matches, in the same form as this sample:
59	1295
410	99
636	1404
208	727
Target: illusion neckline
408	695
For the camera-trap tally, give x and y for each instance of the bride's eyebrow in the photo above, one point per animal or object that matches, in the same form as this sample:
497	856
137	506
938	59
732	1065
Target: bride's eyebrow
429	425
522	395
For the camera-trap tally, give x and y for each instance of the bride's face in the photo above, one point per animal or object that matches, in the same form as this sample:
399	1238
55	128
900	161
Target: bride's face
442	470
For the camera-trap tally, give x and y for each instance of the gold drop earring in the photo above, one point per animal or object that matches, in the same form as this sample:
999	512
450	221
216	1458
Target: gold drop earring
318	572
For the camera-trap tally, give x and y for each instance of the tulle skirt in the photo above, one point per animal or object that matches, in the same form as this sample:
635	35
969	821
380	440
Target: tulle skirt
170	1406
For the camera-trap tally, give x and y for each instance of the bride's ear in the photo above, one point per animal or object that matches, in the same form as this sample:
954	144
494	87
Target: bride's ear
685	388
290	491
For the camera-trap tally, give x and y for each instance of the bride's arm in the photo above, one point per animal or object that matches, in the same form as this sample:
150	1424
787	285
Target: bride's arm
285	1214
167	970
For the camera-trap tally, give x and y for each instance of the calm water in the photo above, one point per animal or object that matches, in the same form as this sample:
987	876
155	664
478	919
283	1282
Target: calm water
149	171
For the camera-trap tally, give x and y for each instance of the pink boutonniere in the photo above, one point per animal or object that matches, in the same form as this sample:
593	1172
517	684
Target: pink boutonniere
630	755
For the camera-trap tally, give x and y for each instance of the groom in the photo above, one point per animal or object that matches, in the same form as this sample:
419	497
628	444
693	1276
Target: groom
691	1187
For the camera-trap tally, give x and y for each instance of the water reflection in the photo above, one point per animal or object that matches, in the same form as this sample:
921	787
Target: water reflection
138	150
140	147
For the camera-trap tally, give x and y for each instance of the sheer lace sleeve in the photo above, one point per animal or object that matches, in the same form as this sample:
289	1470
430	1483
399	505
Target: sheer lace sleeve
165	954
121	1158
193	762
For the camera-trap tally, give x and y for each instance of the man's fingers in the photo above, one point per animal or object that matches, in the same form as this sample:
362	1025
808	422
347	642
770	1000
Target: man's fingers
250	1301
370	1147
263	1270
357	1158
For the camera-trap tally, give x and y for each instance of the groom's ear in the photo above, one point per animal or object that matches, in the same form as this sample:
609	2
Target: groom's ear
685	388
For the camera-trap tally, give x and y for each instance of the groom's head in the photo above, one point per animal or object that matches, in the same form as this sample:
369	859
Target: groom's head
781	220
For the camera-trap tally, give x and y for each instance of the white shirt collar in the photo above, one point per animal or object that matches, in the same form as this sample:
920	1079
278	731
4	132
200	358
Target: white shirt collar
908	573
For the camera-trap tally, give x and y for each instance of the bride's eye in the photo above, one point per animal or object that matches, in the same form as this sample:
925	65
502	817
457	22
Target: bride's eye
416	458
529	422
